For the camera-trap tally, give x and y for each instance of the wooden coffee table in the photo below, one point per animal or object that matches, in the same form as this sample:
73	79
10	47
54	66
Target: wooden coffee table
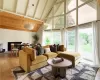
59	69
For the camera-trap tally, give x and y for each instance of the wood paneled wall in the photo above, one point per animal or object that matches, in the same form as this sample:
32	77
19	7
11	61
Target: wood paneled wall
16	22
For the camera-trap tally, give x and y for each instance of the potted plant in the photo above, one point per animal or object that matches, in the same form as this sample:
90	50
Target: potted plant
35	40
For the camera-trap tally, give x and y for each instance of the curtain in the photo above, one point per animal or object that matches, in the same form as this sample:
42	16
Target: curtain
96	42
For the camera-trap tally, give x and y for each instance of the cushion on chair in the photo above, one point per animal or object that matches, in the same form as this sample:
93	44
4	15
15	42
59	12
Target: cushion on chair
51	54
39	59
30	51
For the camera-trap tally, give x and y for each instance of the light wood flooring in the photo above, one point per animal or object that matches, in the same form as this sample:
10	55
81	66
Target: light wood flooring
7	63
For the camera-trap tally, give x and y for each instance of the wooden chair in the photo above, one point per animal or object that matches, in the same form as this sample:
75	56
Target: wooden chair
14	50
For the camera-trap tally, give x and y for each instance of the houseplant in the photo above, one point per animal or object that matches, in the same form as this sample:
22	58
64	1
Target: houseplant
35	39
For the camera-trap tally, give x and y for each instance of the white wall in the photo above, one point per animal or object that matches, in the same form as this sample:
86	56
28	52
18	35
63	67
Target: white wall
40	34
7	35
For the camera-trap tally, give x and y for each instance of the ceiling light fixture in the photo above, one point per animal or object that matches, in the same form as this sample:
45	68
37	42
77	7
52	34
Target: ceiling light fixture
29	26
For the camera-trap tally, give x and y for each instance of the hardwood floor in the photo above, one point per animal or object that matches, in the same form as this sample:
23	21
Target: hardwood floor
7	63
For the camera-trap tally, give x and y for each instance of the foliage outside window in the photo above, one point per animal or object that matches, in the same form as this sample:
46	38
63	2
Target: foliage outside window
71	40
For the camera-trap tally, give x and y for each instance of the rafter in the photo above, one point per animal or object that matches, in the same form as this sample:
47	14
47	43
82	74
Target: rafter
36	8
44	8
58	8
50	9
16	5
27	8
2	4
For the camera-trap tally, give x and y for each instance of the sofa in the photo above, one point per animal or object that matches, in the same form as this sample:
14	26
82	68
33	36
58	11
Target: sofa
29	61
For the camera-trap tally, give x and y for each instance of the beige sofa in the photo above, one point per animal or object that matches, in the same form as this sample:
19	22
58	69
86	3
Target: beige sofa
29	61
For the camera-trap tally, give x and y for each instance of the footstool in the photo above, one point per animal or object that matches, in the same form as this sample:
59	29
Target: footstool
75	57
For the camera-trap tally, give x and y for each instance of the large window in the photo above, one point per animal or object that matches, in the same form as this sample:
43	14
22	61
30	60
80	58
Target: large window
87	13
47	38
48	25
85	42
70	40
71	19
80	2
58	22
56	37
70	5
51	37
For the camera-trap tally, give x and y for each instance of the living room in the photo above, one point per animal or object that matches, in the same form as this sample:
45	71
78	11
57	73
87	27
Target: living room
49	40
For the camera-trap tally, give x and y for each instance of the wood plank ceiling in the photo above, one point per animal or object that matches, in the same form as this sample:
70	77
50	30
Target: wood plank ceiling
15	22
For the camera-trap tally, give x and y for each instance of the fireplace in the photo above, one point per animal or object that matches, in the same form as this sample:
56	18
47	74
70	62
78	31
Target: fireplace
16	44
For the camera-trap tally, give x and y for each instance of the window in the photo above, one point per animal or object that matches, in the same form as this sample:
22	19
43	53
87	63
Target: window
48	24
70	4
80	2
47	38
58	22
85	42
71	19
71	40
57	37
51	37
87	13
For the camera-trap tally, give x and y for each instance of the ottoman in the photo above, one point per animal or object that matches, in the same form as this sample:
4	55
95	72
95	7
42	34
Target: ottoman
75	57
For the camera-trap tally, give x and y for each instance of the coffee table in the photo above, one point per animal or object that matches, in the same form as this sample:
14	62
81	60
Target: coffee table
59	69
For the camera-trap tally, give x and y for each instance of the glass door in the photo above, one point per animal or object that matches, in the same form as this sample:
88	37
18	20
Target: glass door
85	43
70	40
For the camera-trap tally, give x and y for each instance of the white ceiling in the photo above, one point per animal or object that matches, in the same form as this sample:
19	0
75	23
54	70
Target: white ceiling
39	11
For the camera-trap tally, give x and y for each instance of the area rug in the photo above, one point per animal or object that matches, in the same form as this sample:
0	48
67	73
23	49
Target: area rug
80	72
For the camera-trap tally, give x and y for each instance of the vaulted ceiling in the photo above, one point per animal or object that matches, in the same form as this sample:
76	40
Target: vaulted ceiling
28	10
18	10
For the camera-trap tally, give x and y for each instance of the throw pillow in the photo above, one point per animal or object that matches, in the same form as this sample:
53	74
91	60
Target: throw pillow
52	48
58	47
55	48
47	50
39	50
